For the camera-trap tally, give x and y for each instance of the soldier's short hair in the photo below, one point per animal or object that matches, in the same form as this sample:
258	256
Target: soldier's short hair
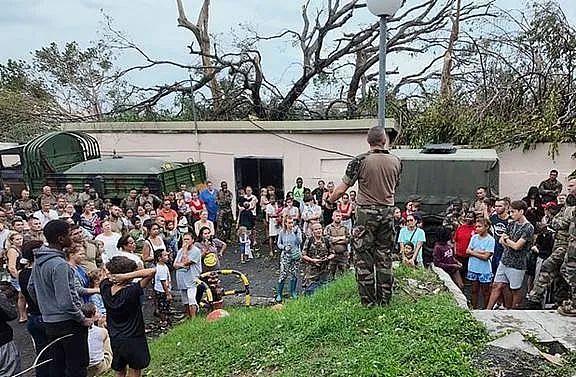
376	136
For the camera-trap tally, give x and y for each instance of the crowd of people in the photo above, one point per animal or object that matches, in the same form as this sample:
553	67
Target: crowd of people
83	266
514	254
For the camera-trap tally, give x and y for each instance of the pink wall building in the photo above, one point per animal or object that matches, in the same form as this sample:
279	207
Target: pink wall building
262	153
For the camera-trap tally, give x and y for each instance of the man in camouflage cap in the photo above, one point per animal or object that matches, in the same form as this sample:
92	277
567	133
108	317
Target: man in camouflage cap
378	174
568	269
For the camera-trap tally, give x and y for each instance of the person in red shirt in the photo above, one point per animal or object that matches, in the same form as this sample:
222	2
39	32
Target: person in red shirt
167	212
196	206
461	239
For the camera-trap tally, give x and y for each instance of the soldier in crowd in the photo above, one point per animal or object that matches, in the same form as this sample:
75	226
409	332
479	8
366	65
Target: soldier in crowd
316	255
84	196
147	197
550	188
48	196
568	268
377	173
72	196
551	266
34	231
224	219
25	203
339	237
454	215
131	201
7	195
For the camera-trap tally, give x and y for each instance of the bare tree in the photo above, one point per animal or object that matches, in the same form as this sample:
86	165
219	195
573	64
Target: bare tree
200	31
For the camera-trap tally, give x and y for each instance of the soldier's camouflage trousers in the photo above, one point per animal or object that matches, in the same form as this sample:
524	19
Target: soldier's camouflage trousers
550	270
372	244
288	267
568	269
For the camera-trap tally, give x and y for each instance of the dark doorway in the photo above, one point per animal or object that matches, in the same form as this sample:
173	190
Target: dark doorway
258	173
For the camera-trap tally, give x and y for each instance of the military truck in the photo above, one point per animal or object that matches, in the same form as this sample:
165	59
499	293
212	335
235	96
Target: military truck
440	173
61	157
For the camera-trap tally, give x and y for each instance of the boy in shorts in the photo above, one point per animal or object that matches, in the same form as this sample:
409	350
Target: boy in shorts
517	241
124	316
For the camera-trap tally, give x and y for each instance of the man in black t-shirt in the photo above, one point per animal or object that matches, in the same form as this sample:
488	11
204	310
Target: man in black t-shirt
124	317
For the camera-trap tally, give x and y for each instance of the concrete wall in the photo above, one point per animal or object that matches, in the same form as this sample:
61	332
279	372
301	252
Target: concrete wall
218	151
518	170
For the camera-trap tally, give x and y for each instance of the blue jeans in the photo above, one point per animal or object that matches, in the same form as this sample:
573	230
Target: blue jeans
38	332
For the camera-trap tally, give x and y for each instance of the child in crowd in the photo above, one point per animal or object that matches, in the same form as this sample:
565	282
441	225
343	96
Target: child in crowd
247	219
188	265
443	255
98	344
408	251
480	250
124	315
162	286
244	239
96	298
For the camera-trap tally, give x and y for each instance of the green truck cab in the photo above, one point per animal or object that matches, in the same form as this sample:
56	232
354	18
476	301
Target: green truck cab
66	157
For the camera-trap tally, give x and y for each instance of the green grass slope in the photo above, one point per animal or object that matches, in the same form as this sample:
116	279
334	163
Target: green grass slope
329	334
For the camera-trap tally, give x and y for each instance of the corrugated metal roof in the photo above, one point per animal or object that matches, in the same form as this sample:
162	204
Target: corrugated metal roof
124	165
462	154
313	126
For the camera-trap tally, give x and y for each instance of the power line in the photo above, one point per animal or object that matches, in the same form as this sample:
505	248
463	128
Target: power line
298	142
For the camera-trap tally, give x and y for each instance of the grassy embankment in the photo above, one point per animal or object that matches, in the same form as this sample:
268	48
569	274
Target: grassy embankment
330	334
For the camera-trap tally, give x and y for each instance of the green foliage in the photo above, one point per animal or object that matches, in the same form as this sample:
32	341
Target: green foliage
328	334
24	103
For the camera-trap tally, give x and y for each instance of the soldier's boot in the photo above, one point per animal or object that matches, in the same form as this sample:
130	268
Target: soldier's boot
294	288
279	289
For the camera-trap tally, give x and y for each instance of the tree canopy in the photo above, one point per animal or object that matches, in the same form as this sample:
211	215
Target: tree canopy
489	76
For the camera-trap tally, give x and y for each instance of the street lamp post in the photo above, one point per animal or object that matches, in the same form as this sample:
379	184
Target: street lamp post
383	9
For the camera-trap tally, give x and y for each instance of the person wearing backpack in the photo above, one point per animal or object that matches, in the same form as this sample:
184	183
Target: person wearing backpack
316	256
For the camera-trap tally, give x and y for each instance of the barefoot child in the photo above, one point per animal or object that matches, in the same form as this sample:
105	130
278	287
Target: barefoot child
162	286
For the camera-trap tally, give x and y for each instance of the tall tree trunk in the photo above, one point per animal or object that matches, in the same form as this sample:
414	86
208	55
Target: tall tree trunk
200	31
446	81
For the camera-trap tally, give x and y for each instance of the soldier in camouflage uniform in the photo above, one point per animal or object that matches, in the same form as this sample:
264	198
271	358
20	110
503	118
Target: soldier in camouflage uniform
455	214
377	173
224	218
339	237
316	255
551	267
568	269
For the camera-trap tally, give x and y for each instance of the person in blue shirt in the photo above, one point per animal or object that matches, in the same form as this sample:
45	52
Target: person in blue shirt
209	197
480	250
416	236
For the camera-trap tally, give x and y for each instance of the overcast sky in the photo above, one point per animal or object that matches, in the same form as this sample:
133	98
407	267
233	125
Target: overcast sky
32	24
